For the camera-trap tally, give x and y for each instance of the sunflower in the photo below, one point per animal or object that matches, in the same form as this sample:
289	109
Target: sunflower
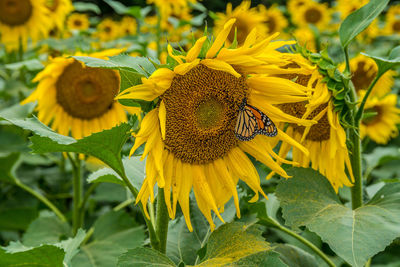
59	10
293	5
392	21
275	20
247	19
171	7
346	7
128	26
381	118
107	30
364	70
78	21
21	20
190	135
326	140
313	13
76	98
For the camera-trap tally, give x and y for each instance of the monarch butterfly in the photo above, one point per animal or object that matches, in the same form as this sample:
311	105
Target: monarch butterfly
251	121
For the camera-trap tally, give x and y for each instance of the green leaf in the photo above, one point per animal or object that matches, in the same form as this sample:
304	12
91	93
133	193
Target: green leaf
359	20
140	65
134	168
71	245
235	243
44	256
309	200
46	229
118	7
8	164
86	7
294	256
114	233
139	257
385	64
31	65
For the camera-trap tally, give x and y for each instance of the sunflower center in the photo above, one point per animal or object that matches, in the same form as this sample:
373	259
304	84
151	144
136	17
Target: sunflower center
396	26
312	15
85	92
15	12
319	131
107	29
362	77
202	108
271	23
242	30
52	4
77	23
372	115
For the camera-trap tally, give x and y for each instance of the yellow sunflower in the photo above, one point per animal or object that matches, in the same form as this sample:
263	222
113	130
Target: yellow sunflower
171	7
293	5
107	30
392	21
364	70
381	118
190	135
76	99
59	10
276	21
77	21
247	19
314	13
345	7
326	140
21	20
128	26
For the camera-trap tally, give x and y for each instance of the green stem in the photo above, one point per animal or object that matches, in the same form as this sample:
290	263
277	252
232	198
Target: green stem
360	111
82	205
162	220
77	192
152	234
42	198
305	242
354	136
158	33
124	204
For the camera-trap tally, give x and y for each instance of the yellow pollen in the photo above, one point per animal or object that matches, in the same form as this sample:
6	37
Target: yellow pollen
15	12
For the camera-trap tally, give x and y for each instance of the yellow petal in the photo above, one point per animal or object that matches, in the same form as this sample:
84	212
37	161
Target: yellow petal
195	50
162	116
220	39
220	65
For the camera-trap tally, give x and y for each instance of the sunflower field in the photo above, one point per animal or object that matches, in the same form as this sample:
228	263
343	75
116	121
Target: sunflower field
199	133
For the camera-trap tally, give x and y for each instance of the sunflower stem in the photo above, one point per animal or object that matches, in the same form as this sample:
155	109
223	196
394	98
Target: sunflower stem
360	111
162	221
77	191
82	205
158	32
346	55
355	155
154	241
42	198
305	242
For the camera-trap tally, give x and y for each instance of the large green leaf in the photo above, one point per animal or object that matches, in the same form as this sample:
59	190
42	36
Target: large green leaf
139	257
139	65
359	20
86	7
390	62
46	229
134	168
235	244
295	257
105	145
309	200
114	233
182	245
44	256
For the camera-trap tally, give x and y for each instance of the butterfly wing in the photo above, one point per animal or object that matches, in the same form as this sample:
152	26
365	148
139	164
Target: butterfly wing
246	124
265	125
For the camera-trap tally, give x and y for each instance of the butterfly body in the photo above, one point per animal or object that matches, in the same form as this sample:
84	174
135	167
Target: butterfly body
251	121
